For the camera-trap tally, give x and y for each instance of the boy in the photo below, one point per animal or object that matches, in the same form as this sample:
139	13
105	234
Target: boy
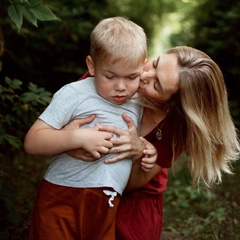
77	199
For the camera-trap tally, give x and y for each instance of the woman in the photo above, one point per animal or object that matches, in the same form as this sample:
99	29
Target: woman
186	111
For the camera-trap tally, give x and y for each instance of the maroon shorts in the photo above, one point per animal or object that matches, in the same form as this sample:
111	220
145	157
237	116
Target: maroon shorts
139	216
67	213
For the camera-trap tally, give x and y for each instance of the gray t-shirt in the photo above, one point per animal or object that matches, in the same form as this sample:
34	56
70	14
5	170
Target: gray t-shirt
80	100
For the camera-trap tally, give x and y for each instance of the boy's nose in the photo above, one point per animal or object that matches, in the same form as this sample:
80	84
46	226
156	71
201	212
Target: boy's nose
120	86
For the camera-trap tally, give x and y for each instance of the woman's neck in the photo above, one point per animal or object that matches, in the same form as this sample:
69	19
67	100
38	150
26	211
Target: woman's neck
150	119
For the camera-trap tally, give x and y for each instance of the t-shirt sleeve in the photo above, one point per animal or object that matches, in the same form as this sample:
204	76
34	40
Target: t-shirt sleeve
61	108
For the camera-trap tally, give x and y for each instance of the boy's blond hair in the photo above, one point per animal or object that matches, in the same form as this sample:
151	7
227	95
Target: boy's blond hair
120	39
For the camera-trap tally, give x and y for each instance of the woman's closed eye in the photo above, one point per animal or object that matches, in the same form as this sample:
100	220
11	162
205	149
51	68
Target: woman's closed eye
133	77
157	85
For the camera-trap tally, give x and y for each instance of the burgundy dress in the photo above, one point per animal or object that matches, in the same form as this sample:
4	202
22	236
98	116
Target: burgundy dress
140	212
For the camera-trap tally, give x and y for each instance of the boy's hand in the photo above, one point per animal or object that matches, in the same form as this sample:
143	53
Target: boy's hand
77	123
150	156
96	142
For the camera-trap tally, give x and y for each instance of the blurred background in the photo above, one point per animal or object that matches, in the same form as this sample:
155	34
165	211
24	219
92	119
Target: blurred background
43	46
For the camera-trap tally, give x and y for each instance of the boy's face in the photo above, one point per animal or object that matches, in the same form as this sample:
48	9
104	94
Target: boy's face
116	82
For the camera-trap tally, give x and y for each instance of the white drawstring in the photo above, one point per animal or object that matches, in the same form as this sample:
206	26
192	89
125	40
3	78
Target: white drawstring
112	194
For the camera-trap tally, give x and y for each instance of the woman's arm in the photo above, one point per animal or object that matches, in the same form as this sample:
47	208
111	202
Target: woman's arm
143	170
142	153
42	139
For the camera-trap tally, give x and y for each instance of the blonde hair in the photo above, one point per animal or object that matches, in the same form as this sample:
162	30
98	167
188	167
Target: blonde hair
210	137
120	39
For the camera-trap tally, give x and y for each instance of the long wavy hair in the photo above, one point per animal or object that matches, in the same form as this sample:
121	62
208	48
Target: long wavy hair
203	126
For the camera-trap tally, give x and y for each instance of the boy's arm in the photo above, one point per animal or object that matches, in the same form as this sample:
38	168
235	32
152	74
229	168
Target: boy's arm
42	139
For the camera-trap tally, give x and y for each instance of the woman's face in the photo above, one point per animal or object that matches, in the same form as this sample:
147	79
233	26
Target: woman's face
159	81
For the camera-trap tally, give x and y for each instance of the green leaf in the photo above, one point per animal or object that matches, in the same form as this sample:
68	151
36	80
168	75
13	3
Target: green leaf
8	81
30	17
35	2
16	84
28	97
33	87
43	13
12	140
15	12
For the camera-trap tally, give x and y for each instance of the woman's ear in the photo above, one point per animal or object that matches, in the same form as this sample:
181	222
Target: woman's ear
90	65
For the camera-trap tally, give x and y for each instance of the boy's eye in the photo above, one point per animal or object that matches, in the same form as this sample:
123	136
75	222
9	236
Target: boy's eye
109	77
133	77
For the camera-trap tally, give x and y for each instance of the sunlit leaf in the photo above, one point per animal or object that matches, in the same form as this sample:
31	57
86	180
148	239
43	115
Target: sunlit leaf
30	17
15	12
43	13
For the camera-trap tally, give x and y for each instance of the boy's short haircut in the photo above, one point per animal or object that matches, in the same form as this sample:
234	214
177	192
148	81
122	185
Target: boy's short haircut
120	39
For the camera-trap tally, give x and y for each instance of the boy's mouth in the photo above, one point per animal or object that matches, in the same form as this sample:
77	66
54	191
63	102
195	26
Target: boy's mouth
120	99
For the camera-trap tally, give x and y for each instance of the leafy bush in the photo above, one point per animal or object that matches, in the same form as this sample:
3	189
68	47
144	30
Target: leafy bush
19	110
201	213
31	10
24	109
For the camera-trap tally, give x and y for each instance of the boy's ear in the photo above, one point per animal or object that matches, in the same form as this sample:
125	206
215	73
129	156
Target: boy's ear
90	65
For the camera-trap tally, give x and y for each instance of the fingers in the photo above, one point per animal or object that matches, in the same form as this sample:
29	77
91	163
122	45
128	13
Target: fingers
116	158
84	121
77	123
147	167
111	129
143	140
88	158
88	119
150	151
128	120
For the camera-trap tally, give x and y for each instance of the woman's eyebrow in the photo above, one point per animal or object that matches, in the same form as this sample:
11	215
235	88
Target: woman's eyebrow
155	63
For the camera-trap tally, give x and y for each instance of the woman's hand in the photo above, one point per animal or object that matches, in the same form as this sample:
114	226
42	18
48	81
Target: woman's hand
127	145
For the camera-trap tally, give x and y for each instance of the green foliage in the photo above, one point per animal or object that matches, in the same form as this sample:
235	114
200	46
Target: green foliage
18	111
213	26
55	54
19	179
201	213
31	10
